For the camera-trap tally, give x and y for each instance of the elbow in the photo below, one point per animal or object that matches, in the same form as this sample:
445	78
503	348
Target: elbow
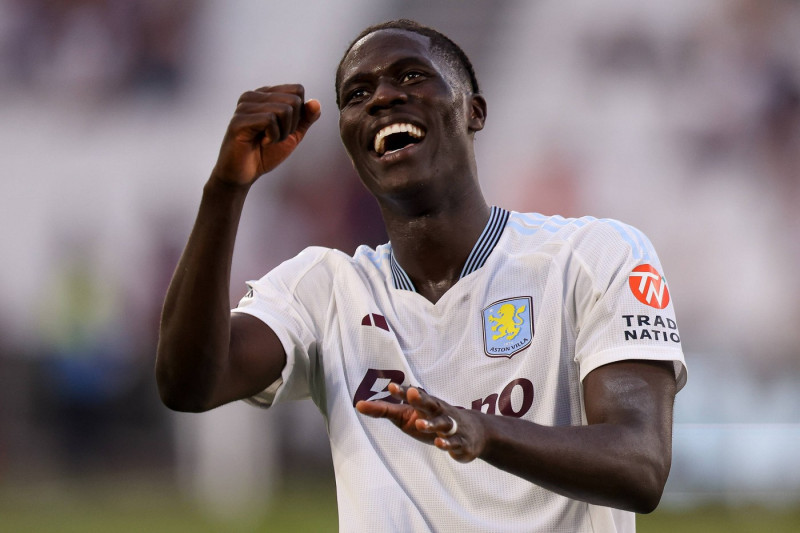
178	391
648	487
182	403
175	398
646	501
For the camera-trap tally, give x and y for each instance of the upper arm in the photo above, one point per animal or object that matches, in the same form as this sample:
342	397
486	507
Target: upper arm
255	359
637	395
638	388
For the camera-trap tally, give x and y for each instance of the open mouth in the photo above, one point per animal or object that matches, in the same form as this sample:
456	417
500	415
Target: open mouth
395	137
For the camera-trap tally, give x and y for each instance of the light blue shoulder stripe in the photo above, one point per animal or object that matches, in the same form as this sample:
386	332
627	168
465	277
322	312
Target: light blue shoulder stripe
378	256
635	238
530	223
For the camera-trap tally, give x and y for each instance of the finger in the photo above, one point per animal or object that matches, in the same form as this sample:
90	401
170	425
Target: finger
312	110
286	117
444	426
379	409
282	114
451	445
288	88
254	125
423	402
443	443
287	107
401	415
254	100
373	409
290	113
454	448
272	131
398	392
267	93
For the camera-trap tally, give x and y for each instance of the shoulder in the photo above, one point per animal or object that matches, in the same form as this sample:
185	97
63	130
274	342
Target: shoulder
316	262
368	257
310	258
304	277
586	234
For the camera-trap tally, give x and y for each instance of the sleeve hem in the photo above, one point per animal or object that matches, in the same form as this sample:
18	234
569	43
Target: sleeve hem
270	395
650	353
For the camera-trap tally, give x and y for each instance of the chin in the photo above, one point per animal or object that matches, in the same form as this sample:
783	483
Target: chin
413	198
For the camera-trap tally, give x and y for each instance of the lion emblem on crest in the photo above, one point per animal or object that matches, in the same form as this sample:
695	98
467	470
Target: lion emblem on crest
508	322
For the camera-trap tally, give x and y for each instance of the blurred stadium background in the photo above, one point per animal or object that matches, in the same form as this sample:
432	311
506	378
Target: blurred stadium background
680	117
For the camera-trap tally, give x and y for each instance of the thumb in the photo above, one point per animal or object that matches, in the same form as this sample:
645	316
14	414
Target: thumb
311	112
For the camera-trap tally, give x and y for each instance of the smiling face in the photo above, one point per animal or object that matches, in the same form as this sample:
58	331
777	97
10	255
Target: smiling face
407	117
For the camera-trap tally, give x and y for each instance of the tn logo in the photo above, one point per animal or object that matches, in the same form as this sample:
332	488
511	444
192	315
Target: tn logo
649	287
507	323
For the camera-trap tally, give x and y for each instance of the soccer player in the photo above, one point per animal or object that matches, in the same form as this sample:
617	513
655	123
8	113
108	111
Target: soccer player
485	370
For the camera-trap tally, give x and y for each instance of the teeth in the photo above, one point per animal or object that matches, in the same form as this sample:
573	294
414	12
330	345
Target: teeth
380	138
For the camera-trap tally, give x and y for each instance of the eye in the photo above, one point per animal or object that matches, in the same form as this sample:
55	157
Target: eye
355	95
411	76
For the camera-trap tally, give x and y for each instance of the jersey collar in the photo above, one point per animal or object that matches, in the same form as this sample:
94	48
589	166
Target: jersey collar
477	257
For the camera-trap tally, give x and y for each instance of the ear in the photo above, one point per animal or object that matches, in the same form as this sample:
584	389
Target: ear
477	116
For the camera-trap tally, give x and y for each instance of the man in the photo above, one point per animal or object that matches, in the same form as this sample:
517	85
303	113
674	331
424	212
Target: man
534	360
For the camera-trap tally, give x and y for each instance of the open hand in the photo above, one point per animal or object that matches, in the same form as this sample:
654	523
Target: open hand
432	421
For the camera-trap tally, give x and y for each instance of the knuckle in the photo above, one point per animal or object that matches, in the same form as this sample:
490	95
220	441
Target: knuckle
246	96
295	100
288	103
282	108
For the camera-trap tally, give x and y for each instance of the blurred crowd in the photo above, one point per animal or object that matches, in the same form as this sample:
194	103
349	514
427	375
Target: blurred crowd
682	118
94	48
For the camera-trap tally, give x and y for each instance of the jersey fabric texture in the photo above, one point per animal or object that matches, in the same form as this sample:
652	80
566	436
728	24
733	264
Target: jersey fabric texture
542	302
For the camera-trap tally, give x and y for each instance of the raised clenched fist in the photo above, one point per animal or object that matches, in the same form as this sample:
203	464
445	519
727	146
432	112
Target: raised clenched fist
266	127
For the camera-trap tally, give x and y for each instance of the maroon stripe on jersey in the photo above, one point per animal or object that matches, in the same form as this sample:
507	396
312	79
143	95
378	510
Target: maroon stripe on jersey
380	321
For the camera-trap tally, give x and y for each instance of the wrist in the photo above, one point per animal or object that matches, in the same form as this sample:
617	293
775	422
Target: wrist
496	430
223	198
217	184
486	438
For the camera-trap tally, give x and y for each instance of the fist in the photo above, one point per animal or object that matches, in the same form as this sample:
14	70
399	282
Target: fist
266	127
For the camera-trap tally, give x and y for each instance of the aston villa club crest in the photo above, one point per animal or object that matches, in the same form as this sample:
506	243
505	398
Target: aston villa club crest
508	326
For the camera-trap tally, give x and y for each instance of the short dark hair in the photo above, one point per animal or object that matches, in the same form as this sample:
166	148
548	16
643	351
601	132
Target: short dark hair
452	52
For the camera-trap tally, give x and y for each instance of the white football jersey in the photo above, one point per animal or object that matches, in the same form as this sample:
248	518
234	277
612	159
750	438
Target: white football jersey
542	301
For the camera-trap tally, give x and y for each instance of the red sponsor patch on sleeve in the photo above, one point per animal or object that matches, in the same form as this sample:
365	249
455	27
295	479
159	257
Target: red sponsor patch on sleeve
649	287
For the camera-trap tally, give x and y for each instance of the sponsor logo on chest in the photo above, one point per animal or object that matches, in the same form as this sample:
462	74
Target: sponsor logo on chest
514	400
508	326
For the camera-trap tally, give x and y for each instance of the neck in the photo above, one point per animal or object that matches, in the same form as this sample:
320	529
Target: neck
432	244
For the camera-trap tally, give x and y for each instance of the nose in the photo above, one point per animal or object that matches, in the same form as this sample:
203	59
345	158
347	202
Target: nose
387	94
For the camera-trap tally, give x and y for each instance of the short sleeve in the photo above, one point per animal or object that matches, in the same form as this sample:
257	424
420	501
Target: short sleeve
623	306
277	299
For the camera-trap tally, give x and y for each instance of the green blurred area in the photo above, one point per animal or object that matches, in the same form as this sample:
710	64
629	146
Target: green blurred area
719	519
135	506
300	505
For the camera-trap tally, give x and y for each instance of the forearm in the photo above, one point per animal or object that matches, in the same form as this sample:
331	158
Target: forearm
195	323
605	464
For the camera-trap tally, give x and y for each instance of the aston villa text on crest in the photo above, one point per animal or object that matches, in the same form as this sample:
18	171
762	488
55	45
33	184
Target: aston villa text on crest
502	350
